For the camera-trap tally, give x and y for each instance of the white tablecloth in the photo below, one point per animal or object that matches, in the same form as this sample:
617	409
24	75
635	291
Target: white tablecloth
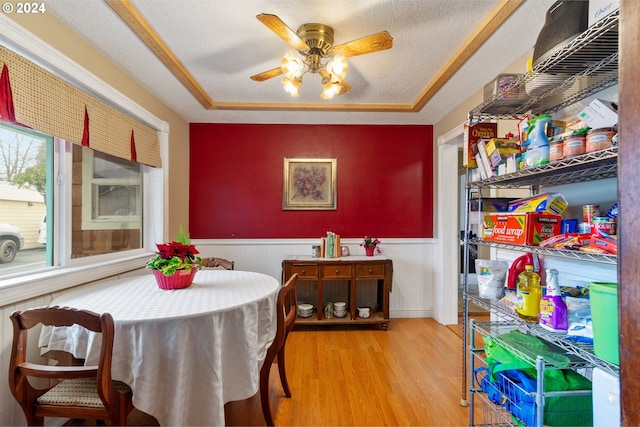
186	352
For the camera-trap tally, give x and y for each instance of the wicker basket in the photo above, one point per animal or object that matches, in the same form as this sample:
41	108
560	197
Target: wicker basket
179	280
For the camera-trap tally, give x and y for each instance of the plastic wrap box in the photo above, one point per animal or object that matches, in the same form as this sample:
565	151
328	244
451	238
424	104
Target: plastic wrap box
554	204
520	228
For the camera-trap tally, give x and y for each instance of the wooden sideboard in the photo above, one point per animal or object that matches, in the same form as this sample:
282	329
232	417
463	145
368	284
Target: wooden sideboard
353	274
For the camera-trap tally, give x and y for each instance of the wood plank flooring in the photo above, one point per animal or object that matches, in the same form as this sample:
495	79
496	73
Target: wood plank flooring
409	375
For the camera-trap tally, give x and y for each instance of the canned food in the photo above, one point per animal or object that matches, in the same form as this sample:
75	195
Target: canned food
603	226
574	146
584	228
613	212
599	139
555	151
590	211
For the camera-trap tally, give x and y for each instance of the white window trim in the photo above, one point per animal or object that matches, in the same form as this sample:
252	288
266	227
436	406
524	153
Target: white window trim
113	222
93	268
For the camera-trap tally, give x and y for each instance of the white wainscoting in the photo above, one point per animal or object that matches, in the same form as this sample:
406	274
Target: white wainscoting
414	265
413	288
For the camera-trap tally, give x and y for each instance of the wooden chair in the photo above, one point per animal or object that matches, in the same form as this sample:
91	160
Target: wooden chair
218	262
83	392
286	307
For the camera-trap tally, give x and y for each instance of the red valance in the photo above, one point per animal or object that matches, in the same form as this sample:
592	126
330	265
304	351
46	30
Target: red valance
134	155
85	131
49	104
6	99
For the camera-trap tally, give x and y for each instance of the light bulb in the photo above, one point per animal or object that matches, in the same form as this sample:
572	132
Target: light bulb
337	68
292	66
291	86
330	90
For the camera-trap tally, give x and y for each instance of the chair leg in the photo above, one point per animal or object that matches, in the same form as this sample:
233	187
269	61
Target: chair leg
283	373
32	420
264	391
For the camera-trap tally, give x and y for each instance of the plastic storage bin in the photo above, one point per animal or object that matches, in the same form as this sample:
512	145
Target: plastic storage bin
604	318
606	399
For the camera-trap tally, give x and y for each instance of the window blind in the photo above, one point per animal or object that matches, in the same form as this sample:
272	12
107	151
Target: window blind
49	104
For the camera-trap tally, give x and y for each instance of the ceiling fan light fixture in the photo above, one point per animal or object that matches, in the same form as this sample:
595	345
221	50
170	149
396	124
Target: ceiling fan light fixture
337	68
314	44
292	66
291	86
331	89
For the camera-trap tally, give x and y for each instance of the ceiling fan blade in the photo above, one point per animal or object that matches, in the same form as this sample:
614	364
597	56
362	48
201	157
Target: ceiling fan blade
278	26
266	75
368	44
344	87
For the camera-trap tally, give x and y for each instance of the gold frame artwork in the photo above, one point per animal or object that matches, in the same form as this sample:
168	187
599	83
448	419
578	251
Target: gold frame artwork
309	184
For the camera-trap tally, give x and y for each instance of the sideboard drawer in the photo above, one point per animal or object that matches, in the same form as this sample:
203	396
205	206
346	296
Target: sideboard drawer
370	271
336	271
305	271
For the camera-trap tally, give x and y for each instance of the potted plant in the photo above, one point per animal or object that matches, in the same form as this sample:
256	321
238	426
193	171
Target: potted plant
175	263
370	245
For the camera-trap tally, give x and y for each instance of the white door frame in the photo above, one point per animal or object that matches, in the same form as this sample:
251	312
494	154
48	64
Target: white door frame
446	290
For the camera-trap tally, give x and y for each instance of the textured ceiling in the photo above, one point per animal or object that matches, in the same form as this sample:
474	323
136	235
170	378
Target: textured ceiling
220	43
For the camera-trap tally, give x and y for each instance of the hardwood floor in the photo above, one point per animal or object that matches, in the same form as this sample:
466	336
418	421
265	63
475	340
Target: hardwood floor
409	375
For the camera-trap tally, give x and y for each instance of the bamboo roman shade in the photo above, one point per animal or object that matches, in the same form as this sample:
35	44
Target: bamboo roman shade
51	105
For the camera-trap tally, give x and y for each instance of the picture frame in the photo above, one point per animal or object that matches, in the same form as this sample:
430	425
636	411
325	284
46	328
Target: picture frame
309	184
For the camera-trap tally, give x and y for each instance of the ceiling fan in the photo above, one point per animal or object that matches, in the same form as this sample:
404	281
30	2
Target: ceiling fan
314	42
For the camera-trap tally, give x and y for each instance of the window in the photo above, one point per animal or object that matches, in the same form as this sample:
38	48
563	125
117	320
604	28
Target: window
108	192
112	189
74	256
25	184
103	193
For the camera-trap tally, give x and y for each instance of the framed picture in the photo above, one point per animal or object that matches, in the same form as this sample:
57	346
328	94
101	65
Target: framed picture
309	184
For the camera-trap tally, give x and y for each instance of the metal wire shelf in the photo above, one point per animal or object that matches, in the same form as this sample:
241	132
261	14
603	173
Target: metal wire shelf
584	66
591	166
582	354
559	253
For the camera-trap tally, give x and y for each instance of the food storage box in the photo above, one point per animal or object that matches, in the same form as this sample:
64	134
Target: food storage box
499	84
520	228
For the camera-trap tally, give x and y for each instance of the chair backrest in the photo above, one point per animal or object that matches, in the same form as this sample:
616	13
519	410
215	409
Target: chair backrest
286	306
20	369
218	262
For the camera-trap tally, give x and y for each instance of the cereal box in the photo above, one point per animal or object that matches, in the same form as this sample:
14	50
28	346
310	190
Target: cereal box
472	134
520	228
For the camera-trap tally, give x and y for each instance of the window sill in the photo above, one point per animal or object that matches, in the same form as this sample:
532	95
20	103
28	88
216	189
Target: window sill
54	280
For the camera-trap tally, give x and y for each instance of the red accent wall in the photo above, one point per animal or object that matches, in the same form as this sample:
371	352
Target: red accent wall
384	180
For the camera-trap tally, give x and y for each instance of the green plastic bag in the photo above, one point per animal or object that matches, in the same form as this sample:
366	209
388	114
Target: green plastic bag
527	344
570	410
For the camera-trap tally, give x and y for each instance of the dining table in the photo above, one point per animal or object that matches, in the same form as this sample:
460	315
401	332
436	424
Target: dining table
184	352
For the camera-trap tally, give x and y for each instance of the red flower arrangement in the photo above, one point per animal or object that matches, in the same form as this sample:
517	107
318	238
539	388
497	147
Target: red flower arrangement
371	241
177	255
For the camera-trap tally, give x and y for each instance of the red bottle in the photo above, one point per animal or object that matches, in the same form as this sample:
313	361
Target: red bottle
518	265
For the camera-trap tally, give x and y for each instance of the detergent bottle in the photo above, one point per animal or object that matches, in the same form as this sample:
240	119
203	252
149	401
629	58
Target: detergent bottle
529	294
518	265
553	310
537	153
